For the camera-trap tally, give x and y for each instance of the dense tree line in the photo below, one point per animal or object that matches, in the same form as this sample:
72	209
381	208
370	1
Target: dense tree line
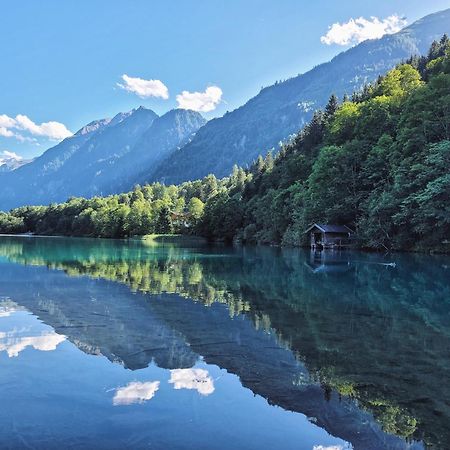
148	209
378	162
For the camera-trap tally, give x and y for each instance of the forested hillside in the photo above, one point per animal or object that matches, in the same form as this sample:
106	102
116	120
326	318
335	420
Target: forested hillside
280	110
378	162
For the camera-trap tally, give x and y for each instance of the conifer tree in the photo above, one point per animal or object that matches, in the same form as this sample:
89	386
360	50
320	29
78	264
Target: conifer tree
332	106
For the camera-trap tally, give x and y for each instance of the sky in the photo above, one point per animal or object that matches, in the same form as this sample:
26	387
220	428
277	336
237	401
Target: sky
66	63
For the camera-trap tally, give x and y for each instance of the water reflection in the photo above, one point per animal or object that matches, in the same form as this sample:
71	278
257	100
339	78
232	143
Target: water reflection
135	392
197	379
358	343
20	330
329	261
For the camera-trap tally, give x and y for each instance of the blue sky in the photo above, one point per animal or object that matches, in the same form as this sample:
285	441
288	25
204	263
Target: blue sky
63	61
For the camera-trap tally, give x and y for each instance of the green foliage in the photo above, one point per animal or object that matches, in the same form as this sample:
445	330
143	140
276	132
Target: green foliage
11	224
379	163
150	209
195	208
222	217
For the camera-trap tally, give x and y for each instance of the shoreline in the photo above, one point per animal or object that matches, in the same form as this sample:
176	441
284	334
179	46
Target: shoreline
182	238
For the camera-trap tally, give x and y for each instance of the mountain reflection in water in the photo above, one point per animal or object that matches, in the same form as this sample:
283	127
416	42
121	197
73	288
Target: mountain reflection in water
358	343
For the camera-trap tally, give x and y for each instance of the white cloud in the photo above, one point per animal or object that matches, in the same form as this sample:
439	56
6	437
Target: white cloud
5	132
135	392
144	88
6	121
51	130
197	379
357	30
200	101
12	155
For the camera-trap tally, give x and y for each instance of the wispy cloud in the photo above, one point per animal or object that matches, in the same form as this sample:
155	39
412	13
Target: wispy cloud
144	88
21	138
357	30
200	101
10	126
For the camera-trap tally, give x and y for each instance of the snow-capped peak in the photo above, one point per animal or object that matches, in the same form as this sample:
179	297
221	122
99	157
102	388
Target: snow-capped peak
11	161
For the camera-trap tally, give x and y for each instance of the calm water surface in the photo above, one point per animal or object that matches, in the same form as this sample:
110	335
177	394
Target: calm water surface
114	344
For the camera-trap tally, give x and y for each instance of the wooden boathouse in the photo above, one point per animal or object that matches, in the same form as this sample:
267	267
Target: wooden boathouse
330	236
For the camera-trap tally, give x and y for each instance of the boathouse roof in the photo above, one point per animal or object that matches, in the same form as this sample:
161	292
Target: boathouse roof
326	228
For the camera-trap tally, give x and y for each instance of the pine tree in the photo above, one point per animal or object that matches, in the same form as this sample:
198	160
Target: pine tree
259	166
268	161
332	107
434	50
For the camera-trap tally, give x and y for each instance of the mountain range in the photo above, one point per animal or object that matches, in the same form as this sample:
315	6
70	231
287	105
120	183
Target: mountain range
111	155
104	157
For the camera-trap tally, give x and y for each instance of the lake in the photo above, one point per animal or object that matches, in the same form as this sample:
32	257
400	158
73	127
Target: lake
140	344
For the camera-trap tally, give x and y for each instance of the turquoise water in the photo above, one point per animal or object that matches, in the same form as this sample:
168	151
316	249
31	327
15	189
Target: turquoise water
116	344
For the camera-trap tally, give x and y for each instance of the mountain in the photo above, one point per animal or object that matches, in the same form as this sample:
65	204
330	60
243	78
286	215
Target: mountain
166	134
102	158
280	110
9	161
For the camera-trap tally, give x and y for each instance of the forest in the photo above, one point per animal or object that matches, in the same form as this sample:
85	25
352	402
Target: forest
377	162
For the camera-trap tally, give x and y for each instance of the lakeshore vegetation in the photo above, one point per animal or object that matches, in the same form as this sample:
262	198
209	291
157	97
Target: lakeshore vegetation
378	161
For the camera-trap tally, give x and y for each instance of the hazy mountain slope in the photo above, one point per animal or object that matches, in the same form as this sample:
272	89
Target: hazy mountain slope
61	171
78	178
32	183
166	134
104	157
282	109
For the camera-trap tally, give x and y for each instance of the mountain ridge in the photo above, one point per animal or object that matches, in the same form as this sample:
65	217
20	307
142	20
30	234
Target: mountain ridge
94	160
280	110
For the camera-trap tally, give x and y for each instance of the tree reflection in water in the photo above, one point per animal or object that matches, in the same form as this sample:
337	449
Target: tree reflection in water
368	328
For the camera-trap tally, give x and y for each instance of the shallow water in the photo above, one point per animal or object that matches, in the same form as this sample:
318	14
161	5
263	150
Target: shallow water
115	344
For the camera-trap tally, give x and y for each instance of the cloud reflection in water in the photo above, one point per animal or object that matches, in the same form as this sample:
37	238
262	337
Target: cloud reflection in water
197	379
32	333
13	343
135	392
